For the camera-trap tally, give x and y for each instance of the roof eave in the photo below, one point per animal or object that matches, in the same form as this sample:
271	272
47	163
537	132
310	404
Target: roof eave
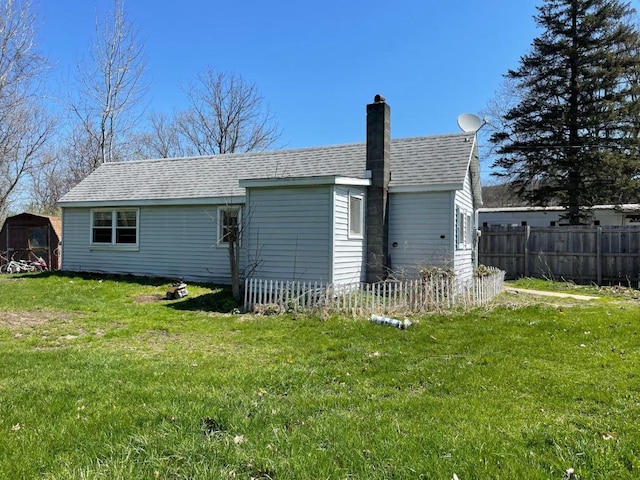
226	200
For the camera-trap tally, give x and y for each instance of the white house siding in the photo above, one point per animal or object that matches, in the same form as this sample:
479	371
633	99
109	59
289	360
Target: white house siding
173	242
538	218
464	255
289	232
420	232
348	253
544	217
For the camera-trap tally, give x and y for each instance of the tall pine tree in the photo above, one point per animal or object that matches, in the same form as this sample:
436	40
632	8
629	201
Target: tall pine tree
572	137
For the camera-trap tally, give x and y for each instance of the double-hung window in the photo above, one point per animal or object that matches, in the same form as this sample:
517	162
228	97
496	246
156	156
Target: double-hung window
115	227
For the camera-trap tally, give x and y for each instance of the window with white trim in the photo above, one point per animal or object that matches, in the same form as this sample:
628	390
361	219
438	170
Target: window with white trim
463	229
228	224
356	216
114	227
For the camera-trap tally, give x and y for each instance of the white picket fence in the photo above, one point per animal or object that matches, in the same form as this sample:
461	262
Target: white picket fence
437	293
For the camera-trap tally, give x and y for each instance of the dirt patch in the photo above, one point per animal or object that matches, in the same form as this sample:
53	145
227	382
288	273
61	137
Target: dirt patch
32	318
551	294
518	297
8	279
156	297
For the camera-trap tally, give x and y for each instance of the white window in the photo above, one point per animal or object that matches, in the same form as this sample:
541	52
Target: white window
228	224
463	229
114	227
356	216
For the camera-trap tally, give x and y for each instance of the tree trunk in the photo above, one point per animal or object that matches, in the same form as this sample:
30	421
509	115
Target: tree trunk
234	264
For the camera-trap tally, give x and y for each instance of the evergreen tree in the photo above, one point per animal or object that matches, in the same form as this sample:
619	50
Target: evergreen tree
572	136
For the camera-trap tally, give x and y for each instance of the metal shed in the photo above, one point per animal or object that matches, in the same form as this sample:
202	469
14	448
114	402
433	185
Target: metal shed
27	234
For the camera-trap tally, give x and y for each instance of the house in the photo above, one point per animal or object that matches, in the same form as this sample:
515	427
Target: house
342	214
26	236
619	215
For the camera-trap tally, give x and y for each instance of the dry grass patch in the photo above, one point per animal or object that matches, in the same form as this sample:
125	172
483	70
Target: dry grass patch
150	298
11	279
34	318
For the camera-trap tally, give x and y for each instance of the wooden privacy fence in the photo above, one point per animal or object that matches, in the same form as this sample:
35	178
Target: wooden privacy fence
590	254
392	297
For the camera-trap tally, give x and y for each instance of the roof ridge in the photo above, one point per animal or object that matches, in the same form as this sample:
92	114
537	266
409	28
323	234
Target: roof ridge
284	150
438	135
236	154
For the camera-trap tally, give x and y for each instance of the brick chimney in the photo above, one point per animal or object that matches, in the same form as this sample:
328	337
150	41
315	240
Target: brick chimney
378	155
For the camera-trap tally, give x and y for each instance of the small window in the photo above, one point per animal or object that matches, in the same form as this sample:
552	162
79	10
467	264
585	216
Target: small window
459	227
114	227
38	237
463	229
355	217
228	224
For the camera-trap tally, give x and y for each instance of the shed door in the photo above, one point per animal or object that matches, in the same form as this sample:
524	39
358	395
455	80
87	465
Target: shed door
18	242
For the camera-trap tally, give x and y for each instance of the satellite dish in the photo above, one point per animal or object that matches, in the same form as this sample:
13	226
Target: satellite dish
470	123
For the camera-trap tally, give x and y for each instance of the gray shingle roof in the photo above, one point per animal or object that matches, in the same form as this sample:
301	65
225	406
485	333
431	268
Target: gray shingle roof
422	161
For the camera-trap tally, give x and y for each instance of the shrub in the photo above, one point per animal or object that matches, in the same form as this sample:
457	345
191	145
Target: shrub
427	273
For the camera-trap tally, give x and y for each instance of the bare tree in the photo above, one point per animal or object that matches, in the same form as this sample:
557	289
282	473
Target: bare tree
111	88
24	125
163	140
103	110
227	115
506	96
46	186
231	223
64	166
497	191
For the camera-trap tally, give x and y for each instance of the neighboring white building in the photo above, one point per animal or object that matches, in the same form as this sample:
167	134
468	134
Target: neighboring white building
340	214
626	214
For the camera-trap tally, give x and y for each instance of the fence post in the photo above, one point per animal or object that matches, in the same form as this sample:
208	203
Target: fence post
599	255
246	295
527	234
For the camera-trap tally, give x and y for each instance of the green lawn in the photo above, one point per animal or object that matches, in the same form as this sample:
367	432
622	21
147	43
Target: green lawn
101	379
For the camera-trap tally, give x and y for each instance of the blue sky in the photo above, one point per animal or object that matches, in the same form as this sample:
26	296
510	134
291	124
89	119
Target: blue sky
318	63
